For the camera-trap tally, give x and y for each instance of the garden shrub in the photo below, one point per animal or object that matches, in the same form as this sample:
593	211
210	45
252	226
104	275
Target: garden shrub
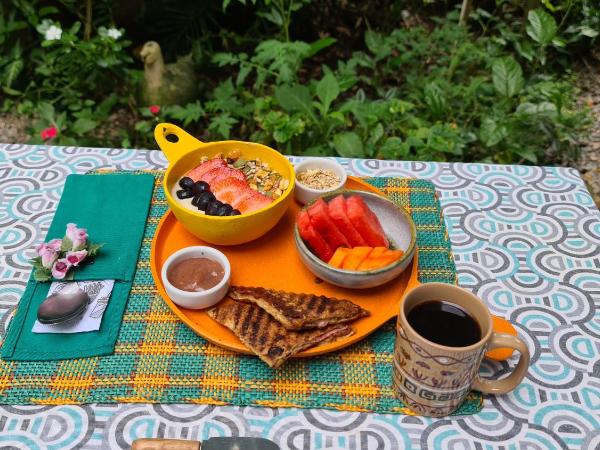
501	89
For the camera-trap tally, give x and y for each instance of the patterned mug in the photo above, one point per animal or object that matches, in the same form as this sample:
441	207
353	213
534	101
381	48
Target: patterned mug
433	379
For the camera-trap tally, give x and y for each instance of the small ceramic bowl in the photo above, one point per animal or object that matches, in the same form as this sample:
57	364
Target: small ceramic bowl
305	194
398	227
202	299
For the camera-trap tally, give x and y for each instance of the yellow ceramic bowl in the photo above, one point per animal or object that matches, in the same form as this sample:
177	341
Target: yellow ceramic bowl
184	153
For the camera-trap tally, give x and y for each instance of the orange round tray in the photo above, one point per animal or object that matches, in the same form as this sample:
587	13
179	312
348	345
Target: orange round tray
272	262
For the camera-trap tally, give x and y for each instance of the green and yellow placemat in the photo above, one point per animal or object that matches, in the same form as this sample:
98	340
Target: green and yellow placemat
158	359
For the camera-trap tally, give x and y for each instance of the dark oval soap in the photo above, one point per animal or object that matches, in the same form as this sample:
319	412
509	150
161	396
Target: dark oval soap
60	307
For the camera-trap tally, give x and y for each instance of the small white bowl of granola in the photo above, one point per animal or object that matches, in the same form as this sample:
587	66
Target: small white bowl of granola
317	176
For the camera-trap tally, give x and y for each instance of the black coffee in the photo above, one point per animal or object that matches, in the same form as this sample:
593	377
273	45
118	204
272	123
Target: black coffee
444	323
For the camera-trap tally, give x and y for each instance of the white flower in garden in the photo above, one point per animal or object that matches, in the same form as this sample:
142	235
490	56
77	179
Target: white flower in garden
114	33
53	33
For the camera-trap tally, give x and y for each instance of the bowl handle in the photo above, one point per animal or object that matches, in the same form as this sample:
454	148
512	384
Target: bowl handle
174	141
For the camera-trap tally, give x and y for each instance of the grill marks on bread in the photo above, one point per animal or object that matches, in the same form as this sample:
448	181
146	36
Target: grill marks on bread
299	311
266	337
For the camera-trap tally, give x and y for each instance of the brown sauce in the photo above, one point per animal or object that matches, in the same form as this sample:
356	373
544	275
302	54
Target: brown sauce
195	274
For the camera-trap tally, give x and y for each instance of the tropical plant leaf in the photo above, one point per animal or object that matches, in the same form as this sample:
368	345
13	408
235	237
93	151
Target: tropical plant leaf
222	124
12	71
394	148
492	133
348	145
295	98
541	26
328	90
507	76
321	44
82	126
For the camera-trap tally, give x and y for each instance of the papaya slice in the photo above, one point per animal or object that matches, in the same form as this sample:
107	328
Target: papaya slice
381	259
337	260
355	257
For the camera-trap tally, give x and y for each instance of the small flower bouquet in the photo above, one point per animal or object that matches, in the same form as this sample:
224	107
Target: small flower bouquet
56	258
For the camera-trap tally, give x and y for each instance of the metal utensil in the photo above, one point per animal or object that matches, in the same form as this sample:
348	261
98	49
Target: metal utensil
216	443
62	306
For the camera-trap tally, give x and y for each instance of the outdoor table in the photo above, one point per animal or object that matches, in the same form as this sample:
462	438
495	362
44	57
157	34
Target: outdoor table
525	239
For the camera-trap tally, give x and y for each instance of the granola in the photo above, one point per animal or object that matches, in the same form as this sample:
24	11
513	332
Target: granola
319	178
259	175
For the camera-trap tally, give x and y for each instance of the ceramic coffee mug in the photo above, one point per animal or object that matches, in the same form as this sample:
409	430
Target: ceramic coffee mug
433	379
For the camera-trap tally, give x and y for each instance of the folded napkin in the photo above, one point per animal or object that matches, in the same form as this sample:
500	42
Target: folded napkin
113	208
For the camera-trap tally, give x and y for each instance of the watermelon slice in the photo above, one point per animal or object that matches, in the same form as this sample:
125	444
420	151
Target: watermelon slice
319	218
339	216
197	172
220	173
365	222
312	237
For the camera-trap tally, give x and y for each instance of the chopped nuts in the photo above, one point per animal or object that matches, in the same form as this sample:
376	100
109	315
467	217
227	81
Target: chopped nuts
319	178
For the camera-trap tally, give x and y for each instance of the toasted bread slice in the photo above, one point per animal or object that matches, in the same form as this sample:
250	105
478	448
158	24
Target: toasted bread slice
266	337
299	311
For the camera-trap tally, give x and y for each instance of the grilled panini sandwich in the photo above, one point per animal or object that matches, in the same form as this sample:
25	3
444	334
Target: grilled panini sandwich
299	311
266	337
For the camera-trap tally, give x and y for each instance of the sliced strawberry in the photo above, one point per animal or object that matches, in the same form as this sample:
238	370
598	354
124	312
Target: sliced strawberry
312	237
230	189
241	196
220	173
319	218
197	172
339	216
254	202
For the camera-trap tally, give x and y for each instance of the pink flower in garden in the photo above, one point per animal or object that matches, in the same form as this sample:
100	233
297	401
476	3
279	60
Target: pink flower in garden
60	268
49	133
154	109
78	236
48	254
74	258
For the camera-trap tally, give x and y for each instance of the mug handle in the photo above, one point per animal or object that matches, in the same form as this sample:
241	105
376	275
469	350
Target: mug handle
505	385
174	141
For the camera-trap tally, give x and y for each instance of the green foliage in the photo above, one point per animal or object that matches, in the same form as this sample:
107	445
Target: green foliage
499	90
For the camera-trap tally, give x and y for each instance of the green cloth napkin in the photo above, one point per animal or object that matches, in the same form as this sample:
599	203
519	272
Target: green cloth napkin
114	209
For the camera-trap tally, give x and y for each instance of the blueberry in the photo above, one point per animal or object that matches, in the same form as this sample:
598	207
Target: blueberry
182	193
186	183
213	208
224	210
199	187
204	199
235	212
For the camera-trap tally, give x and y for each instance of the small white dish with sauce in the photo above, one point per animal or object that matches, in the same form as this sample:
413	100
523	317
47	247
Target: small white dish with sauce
196	299
305	194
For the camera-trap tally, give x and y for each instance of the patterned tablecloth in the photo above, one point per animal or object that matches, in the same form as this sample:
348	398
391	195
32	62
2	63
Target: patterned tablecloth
525	239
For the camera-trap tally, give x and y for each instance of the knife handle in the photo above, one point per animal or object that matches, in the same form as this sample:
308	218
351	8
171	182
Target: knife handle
164	444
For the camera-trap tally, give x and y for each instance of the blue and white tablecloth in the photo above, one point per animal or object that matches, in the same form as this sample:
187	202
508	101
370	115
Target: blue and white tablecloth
525	239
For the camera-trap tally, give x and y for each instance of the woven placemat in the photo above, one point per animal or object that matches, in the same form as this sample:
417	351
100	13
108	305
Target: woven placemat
158	359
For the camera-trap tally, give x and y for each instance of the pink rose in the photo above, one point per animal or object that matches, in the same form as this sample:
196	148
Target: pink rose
154	109
48	255
60	268
74	258
78	236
